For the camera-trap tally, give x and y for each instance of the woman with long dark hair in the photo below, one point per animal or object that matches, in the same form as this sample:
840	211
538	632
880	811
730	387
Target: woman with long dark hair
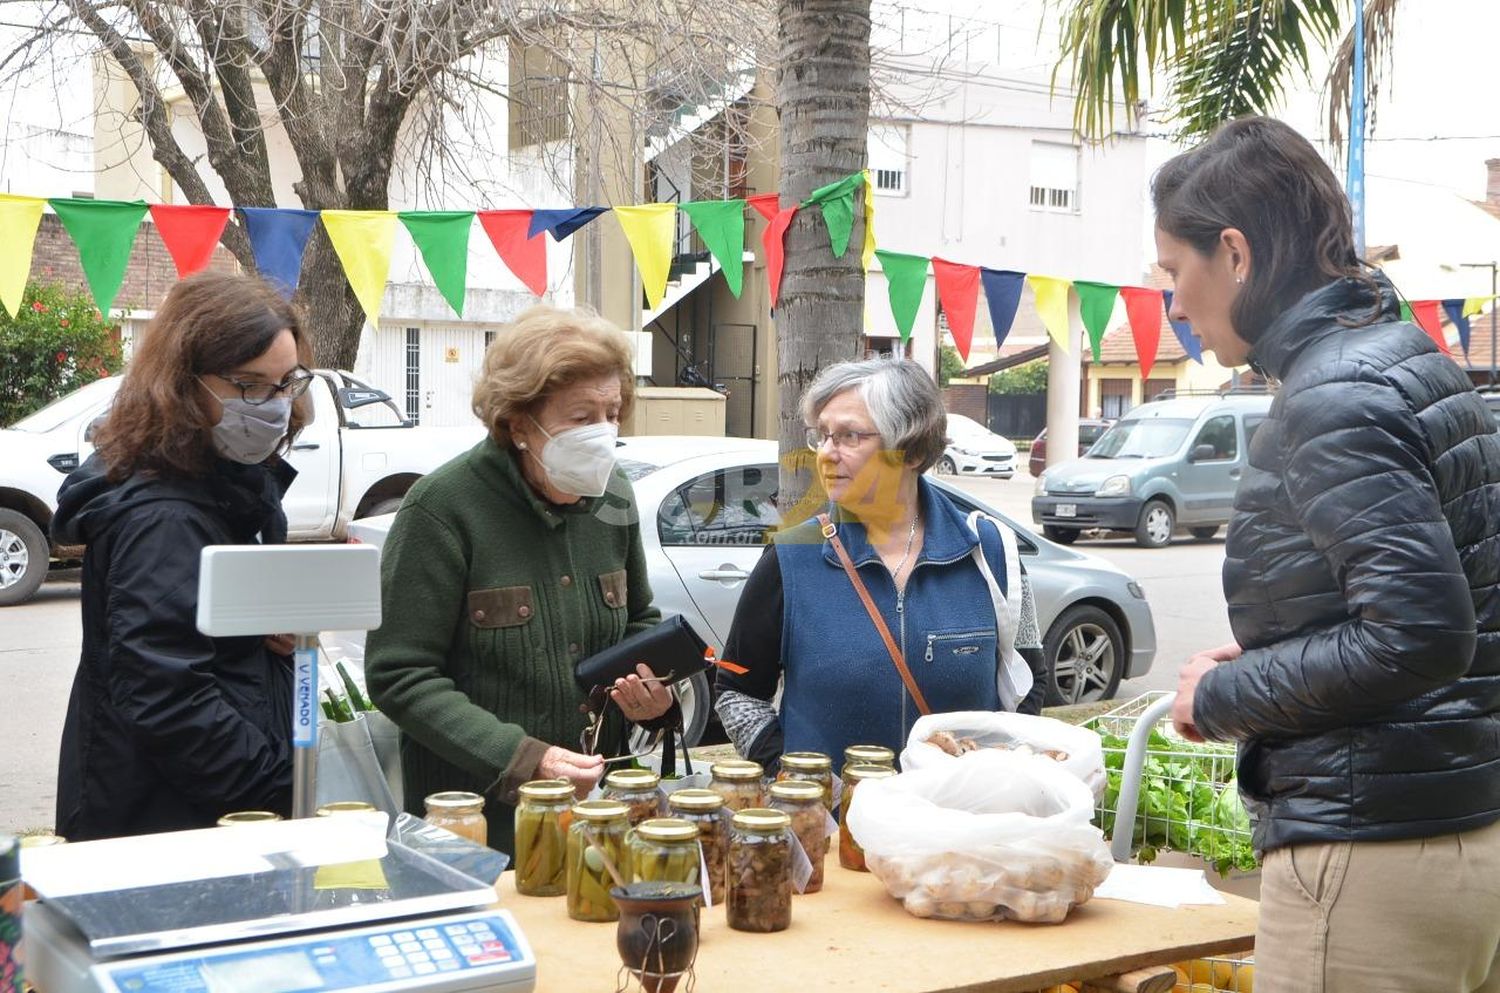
1361	571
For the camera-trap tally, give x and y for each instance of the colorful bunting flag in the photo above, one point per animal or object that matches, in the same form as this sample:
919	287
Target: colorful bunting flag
19	219
1455	312
958	292
279	238
837	201
1096	303
104	231
721	225
562	223
1143	307
523	253
867	256
191	232
1425	313
1002	290
1183	330
767	205
364	241
774	243
442	236
905	280
1052	306
651	229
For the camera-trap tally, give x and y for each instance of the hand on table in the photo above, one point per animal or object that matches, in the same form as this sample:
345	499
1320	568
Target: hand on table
640	701
583	771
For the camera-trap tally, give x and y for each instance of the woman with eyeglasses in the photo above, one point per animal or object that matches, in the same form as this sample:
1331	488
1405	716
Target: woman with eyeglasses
168	728
946	585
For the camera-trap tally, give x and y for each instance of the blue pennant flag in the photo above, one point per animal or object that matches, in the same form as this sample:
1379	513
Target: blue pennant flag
561	223
1002	290
1455	311
1184	331
278	238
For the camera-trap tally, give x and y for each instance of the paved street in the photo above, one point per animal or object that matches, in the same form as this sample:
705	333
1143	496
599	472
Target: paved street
39	645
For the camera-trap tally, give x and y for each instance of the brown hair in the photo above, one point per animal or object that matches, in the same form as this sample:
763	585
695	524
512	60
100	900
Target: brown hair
1260	176
162	418
543	350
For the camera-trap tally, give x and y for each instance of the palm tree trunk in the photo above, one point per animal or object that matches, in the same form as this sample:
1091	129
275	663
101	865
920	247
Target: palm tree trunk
823	96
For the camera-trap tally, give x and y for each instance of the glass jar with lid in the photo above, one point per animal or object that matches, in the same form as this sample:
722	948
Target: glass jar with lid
638	789
345	807
760	871
851	856
803	803
596	842
248	817
44	840
543	811
809	767
868	755
664	850
459	812
705	809
739	782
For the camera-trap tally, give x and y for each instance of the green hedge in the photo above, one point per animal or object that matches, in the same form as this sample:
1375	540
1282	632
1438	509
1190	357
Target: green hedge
58	342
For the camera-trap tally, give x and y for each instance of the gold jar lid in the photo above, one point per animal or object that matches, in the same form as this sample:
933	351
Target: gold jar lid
667	829
42	840
633	779
697	801
762	820
454	801
859	773
796	790
737	771
600	810
248	817
869	755
345	807
806	762
546	789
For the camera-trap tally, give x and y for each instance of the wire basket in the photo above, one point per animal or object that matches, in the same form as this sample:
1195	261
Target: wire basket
1186	798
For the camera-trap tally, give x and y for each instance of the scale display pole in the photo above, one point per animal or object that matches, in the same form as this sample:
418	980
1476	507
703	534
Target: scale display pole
305	726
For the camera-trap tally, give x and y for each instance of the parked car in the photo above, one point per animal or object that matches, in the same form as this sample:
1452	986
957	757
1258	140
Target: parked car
975	450
1163	465
708	504
357	457
1089	431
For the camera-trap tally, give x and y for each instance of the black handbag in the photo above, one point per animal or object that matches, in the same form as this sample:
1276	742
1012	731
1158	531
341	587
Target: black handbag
672	649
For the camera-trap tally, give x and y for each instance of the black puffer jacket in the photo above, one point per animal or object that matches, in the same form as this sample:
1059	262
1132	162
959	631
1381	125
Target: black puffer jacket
168	728
1361	573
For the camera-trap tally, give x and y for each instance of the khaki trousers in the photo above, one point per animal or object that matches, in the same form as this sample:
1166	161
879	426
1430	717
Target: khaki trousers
1419	916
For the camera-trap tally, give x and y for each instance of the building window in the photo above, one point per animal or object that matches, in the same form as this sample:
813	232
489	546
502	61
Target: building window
538	97
888	151
1114	397
489	339
1054	177
890	180
413	376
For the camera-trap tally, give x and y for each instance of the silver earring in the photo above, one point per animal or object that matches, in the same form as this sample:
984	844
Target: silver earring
1239	279
521	445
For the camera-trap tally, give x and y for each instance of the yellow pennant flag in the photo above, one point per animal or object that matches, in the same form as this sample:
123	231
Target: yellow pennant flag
867	255
651	228
364	240
1052	306
1474	306
19	217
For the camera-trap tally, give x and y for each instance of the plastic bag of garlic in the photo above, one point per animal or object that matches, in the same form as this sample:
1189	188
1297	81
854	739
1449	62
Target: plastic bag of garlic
938	739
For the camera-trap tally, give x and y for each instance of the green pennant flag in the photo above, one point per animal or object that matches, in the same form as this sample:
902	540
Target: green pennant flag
906	280
104	231
837	201
1406	314
721	225
1096	302
442	236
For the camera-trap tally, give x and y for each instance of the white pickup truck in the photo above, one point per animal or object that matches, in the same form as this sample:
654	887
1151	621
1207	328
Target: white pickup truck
358	457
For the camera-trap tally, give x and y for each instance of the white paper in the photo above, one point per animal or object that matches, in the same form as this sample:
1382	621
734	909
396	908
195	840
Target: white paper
1158	886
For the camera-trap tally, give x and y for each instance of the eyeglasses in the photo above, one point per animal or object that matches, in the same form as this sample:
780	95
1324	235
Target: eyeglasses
257	393
846	440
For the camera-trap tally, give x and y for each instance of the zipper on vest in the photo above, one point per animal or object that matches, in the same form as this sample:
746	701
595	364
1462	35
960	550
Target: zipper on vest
930	639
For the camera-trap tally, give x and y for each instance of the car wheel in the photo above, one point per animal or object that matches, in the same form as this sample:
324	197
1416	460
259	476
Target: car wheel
1156	525
1063	536
695	697
1085	655
24	558
946	466
1204	533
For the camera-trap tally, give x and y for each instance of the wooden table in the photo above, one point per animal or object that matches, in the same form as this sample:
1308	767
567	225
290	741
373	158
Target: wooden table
852	936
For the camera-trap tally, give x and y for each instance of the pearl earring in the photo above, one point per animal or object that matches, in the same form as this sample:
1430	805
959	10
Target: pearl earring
1239	279
521	445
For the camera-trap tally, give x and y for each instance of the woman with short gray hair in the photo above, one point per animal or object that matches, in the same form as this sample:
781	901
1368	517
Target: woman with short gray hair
894	603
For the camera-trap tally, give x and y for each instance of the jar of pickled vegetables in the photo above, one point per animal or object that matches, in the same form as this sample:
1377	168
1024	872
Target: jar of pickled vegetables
638	789
803	803
705	809
809	767
760	871
460	813
543	811
248	817
596	841
851	856
664	850
868	755
739	782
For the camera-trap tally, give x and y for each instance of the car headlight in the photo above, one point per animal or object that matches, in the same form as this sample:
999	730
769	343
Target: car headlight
964	451
1041	486
1114	486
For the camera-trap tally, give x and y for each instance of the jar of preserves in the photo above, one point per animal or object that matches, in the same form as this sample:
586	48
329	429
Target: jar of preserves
460	813
346	807
638	789
803	803
868	755
248	817
664	850
809	767
543	812
596	843
739	782
760	871
851	856
705	809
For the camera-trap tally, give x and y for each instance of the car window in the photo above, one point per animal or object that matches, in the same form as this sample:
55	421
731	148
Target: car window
379	414
727	507
1141	438
1252	425
1090	433
1219	432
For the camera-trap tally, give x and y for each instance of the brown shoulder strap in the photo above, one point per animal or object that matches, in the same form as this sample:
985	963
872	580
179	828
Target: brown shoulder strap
832	534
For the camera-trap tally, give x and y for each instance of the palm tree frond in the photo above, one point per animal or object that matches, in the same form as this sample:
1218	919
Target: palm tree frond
1380	29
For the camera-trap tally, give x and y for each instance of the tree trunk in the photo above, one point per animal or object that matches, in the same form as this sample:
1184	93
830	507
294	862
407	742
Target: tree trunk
823	96
334	316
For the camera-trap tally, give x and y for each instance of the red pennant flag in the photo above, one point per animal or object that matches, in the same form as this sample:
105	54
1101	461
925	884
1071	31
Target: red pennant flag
1144	309
525	256
190	233
1425	313
958	292
774	242
767	205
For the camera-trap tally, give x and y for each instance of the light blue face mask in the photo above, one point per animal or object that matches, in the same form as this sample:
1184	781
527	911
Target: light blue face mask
250	432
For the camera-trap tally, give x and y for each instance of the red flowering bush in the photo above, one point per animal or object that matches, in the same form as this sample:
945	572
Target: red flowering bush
55	344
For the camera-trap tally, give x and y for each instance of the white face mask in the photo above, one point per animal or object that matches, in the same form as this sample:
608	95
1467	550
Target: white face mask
579	461
250	433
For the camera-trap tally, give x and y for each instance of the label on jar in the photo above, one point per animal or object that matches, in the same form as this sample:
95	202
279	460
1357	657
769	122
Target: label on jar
838	792
830	826
704	877
802	867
